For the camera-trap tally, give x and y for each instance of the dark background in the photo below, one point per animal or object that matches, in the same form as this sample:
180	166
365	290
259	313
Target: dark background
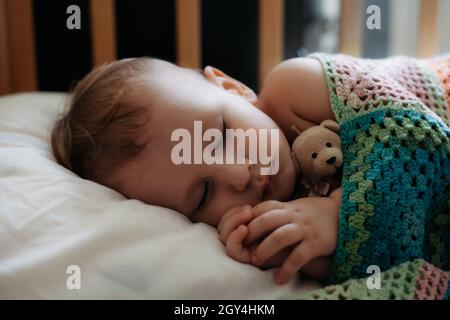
229	36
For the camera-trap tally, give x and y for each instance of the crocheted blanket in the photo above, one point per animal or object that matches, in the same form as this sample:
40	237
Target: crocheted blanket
395	213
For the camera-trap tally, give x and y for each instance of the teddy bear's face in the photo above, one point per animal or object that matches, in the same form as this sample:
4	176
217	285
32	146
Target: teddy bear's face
318	153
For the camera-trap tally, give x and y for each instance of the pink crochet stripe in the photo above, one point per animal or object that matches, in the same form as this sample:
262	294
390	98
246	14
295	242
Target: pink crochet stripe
371	83
431	284
368	82
441	67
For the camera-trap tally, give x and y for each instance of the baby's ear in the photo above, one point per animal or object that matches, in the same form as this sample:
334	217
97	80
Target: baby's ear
330	124
227	83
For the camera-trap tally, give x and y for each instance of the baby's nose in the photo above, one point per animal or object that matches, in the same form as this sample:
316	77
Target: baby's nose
241	176
331	160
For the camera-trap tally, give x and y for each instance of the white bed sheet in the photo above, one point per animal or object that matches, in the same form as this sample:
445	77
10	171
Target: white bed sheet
51	219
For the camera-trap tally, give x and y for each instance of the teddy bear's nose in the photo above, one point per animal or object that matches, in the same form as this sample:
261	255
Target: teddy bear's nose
331	160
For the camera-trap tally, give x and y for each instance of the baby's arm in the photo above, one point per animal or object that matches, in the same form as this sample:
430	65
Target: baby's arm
336	195
296	93
319	268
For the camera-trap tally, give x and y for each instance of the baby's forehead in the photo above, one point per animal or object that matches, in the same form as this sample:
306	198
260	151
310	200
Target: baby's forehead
162	129
183	108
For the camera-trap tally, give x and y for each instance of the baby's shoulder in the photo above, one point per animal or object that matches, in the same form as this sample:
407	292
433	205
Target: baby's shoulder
295	73
296	93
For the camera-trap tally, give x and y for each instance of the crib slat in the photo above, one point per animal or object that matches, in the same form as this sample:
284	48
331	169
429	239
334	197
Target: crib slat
20	34
188	33
271	36
5	80
444	24
428	42
103	31
402	28
350	33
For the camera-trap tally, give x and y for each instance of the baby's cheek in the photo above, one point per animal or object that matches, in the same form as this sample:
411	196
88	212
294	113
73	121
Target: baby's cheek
215	216
205	217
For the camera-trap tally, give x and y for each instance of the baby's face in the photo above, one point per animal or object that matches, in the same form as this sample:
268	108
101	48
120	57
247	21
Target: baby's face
203	192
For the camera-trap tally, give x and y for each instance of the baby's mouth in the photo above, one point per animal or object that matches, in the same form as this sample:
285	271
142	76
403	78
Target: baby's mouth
266	186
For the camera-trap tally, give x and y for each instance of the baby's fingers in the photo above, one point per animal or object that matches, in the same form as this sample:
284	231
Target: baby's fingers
281	238
233	222
231	212
300	256
266	206
266	223
234	246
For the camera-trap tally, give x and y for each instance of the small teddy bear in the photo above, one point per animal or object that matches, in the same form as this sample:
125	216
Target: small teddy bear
317	156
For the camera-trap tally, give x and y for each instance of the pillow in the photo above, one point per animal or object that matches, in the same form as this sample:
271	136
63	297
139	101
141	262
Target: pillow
63	237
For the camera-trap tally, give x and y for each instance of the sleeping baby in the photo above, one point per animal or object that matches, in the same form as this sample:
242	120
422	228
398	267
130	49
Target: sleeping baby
117	132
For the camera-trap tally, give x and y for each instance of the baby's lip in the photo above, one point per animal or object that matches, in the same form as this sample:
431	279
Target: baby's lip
266	186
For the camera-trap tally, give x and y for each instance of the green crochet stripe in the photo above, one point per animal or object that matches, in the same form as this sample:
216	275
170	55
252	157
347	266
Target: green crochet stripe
397	283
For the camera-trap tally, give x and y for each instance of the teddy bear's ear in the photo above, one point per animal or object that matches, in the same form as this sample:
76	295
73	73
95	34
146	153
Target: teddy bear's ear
298	170
296	130
330	124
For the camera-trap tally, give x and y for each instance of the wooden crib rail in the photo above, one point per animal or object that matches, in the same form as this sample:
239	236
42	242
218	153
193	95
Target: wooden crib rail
271	36
350	32
188	33
5	83
17	51
428	36
103	31
18	71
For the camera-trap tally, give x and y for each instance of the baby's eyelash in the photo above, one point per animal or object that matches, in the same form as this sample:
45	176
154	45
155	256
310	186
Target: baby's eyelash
204	198
208	185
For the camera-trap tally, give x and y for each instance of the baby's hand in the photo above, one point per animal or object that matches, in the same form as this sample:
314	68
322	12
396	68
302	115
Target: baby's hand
310	225
233	230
